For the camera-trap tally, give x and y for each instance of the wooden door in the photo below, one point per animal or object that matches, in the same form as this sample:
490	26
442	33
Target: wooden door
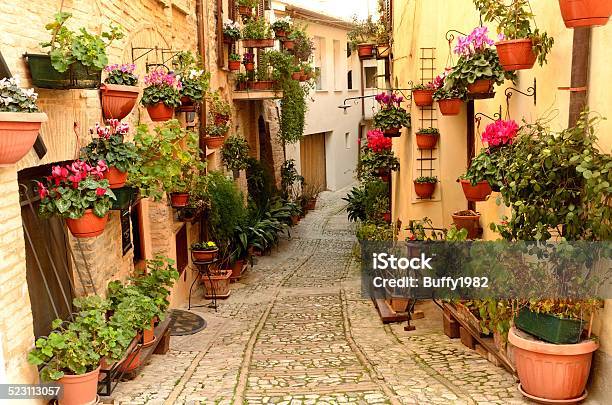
312	151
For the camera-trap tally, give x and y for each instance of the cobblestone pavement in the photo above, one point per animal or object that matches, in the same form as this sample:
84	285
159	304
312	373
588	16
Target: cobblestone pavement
297	331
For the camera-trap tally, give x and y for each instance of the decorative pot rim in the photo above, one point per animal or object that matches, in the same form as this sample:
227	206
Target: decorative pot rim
8	116
539	346
88	374
513	41
424	90
456	215
366	44
205	251
120	87
226	274
428	134
455	99
464	181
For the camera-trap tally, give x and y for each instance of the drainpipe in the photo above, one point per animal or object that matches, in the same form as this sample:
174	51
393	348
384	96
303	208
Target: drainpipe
202	52
581	51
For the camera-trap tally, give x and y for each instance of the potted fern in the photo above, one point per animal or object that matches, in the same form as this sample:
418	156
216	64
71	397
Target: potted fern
119	91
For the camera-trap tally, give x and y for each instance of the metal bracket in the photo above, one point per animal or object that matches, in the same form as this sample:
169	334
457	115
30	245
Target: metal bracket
531	92
496	117
450	37
167	54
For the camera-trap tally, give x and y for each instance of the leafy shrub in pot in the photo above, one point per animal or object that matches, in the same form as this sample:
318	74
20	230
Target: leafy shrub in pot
235	153
422	94
427	138
194	80
257	34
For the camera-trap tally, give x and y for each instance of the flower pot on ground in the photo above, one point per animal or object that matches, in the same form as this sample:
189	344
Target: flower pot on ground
119	91
585	13
391	117
423	94
162	94
217	285
427	138
20	121
516	54
311	204
450	106
478	192
468	220
552	372
550	328
179	200
80	389
237	269
424	187
204	251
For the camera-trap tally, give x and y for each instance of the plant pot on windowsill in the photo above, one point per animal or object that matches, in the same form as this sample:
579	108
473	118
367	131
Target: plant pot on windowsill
450	106
365	51
217	285
78	76
245	11
214	142
423	97
480	192
233	65
258	43
179	200
160	112
480	86
88	226
585	13
424	190
288	44
516	54
237	269
551	373
426	141
116	178
393	132
80	389
118	100
18	132
470	221
263	85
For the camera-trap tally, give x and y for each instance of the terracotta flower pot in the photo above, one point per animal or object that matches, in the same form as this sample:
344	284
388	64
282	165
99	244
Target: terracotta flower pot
393	132
468	220
204	255
115	178
258	43
585	13
263	85
88	226
187	105
424	190
237	270
383	51
245	10
179	200
304	77
148	335
217	285
450	106
80	389
242	86
549	371
516	54
18	133
118	100
479	192
426	141
249	66
311	204
214	142
132	361
480	86
365	51
280	33
423	97
288	45
296	76
160	112
233	65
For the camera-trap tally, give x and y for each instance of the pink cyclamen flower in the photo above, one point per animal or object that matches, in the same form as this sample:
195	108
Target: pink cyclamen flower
500	132
42	190
100	191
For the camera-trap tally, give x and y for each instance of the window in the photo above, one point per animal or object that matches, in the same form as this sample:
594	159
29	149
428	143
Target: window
347	140
370	73
349	79
320	63
182	253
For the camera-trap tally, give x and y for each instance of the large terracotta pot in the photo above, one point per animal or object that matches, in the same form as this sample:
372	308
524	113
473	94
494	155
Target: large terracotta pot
424	190
179	200
80	389
480	192
18	133
516	54
237	270
115	178
450	106
118	100
550	371
365	51
392	132
426	141
88	226
423	97
160	112
204	255
233	65
217	285
214	142
468	220
585	13
480	86
258	43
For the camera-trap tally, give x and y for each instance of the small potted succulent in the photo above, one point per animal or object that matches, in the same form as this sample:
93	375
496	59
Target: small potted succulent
233	63
249	61
422	94
20	121
162	94
585	13
231	31
119	91
425	186
362	37
204	251
449	97
520	44
282	27
427	138
391	117
257	34
79	193
245	7
109	146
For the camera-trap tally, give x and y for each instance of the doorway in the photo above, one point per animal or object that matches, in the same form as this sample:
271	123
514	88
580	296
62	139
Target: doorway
312	157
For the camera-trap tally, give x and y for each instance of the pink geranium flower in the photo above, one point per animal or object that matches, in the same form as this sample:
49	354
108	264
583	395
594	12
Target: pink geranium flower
500	132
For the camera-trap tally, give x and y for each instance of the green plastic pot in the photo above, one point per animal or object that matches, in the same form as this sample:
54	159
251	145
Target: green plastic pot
78	76
126	196
549	328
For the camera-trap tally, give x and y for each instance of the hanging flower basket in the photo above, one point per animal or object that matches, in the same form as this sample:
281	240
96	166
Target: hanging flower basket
179	200
468	220
450	106
88	226
423	97
480	192
249	66
78	76
233	65
481	86
585	13
424	190
258	43
516	54
160	112
426	141
118	100
365	51
116	178
383	51
393	132
245	11
18	133
214	142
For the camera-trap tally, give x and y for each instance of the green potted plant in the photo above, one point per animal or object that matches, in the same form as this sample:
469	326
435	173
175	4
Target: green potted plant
20	121
245	7
521	44
220	110
119	91
263	74
215	135
194	80
234	62
475	182
162	94
449	95
391	117
422	94
425	186
231	31
79	193
257	34
75	59
108	145
362	37
303	46
249	61
377	158
585	13
241	81
289	41
235	153
282	27
204	251
427	138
